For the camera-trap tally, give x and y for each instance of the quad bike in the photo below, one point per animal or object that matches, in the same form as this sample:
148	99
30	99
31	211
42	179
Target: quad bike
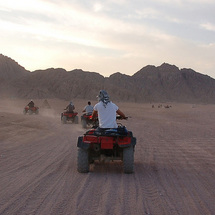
106	144
87	120
68	116
31	110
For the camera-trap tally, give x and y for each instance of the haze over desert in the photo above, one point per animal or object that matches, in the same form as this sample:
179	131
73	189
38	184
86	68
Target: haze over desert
173	162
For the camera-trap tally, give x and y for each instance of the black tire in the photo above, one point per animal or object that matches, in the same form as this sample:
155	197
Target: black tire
24	112
84	123
64	120
37	112
76	120
128	160
83	161
30	112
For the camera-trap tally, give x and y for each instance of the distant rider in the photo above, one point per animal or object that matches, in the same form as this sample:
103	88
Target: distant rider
88	109
106	111
31	104
70	107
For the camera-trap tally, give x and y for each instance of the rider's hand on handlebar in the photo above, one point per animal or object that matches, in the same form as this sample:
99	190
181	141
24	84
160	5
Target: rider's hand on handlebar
121	117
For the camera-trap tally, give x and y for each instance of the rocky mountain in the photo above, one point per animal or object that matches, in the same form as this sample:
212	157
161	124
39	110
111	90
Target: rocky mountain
168	83
165	83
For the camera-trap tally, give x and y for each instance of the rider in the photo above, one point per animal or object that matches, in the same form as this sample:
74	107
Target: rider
70	107
107	111
88	109
31	104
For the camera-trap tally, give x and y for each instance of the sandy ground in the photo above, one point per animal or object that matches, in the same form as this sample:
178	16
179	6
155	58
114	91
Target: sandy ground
174	163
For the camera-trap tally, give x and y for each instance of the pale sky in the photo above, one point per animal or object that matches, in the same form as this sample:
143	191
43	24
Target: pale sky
109	36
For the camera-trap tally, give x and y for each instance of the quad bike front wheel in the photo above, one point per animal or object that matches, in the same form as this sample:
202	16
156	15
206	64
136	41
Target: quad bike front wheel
83	161
128	160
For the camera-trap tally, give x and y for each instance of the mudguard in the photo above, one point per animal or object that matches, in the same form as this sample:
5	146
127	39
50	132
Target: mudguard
107	141
124	145
81	144
133	141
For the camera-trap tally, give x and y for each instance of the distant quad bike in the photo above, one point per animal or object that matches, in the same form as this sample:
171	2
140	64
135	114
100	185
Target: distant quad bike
87	120
31	110
69	117
106	144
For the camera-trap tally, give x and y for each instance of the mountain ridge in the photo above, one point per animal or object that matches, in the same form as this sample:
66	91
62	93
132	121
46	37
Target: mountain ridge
164	83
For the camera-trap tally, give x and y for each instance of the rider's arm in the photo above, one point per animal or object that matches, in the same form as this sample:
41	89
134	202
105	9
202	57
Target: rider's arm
94	114
121	113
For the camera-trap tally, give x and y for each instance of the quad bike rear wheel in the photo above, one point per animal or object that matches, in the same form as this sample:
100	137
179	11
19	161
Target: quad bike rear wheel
84	123
83	161
76	120
64	119
128	160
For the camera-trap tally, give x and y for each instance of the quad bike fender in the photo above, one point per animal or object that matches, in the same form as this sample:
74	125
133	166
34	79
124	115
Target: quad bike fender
122	142
69	114
132	142
81	144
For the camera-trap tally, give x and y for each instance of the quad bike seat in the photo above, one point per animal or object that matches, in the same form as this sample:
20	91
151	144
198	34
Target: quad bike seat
120	131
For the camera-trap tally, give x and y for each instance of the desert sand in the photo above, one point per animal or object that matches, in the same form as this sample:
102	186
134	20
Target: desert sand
174	163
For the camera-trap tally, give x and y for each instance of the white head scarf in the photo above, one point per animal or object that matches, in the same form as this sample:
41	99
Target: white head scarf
104	97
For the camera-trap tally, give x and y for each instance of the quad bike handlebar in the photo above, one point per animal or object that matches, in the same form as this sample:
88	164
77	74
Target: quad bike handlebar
120	117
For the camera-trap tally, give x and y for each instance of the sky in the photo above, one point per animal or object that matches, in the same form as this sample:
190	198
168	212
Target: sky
109	36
